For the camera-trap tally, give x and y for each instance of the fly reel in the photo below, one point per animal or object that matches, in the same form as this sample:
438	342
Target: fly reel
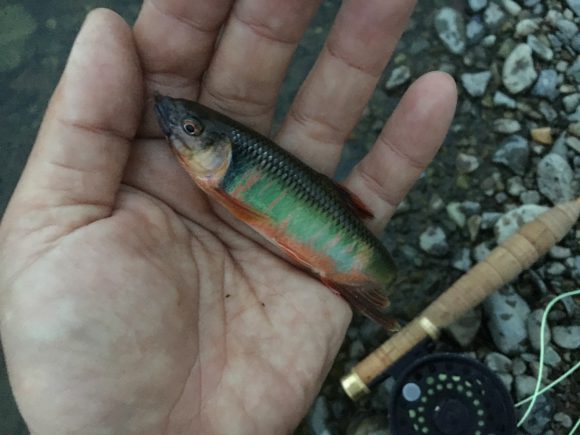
449	394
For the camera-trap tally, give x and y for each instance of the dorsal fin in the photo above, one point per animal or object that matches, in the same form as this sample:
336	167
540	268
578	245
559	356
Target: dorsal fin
357	205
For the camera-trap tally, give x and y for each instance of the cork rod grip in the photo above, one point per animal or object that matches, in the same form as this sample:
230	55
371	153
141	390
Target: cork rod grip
503	264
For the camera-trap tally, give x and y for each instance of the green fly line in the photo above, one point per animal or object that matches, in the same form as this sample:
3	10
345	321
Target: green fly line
537	391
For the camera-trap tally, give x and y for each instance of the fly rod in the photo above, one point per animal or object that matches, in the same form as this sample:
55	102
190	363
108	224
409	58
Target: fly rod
500	267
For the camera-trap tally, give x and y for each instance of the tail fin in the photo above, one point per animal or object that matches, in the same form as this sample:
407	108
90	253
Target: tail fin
367	299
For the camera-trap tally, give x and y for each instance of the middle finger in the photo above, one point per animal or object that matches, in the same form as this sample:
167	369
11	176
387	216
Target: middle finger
246	72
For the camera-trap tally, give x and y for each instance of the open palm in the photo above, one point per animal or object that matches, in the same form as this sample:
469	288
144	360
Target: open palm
129	303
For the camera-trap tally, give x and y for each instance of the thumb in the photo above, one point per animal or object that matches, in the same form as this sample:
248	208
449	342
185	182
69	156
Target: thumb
75	168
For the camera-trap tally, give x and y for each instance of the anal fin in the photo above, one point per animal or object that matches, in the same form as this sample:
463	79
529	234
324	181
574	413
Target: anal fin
367	299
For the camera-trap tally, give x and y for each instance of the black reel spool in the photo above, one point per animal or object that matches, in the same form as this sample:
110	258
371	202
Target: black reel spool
450	394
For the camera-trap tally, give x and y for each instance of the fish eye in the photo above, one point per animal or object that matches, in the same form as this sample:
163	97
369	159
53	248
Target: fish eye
192	126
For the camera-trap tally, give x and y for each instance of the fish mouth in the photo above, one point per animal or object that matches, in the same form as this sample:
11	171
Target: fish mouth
163	106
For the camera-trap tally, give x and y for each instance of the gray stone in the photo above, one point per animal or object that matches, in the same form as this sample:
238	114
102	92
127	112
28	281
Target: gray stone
477	5
373	425
555	269
574	5
476	83
498	363
466	163
318	416
489	41
534	322
399	76
502	100
518	367
461	260
433	241
451	29
573	143
564	419
574	70
511	221
473	225
494	16
481	251
530	197
465	328
548	111
455	214
507	379
560	252
506	126
488	219
511	7
525	386
475	30
514	152
547	85
567	337
540	416
527	26
540	48
506	312
567	28
551	357
515	185
518	69
470	207
554	176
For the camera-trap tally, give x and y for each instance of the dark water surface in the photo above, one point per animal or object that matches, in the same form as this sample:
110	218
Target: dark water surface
35	37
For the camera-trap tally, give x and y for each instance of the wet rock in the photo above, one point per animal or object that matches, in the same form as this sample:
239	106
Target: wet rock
515	186
494	16
574	143
466	163
511	221
526	27
507	312
540	48
502	100
318	417
567	337
470	207
568	29
373	425
560	252
481	251
530	197
506	126
399	76
514	153
455	214
525	386
518	367
473	225
507	379
498	362
574	70
477	5
574	5
518	70
465	328
554	176
476	83
551	357
540	416
511	7
488	219
533	323
434	241
475	30
555	268
564	419
547	85
542	135
571	102
547	110
451	29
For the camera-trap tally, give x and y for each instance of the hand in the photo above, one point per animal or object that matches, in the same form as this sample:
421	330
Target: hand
128	306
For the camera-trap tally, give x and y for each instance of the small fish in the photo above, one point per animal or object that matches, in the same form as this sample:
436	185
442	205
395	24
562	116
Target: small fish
314	220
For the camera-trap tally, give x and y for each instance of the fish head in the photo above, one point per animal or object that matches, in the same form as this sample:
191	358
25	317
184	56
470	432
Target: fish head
199	140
